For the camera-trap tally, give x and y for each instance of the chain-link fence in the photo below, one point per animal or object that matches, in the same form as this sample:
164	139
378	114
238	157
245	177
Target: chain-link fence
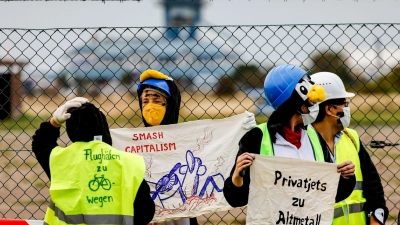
220	71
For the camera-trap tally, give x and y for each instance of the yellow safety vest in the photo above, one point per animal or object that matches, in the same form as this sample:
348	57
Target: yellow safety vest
351	210
267	148
93	183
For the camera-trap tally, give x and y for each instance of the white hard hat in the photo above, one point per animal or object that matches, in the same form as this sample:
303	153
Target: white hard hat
332	85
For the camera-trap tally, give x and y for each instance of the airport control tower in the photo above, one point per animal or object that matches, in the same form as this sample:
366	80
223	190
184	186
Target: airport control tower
181	13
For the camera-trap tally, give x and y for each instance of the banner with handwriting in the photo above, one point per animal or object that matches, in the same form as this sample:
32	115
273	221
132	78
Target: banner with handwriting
291	191
186	163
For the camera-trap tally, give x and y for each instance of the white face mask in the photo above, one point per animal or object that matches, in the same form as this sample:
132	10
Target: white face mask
345	119
312	116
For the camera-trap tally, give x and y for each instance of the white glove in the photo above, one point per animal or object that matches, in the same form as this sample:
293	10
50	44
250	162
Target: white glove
61	115
249	122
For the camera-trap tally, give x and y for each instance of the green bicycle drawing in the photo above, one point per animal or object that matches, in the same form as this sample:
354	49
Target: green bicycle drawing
95	184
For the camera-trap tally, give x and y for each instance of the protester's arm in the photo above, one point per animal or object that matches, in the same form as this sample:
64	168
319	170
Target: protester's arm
144	206
193	221
43	142
372	186
45	138
345	188
238	196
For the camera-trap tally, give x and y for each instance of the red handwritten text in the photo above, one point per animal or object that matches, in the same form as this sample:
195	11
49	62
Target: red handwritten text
151	147
148	136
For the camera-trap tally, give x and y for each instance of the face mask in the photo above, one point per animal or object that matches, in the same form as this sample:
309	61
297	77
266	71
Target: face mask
312	116
345	119
154	113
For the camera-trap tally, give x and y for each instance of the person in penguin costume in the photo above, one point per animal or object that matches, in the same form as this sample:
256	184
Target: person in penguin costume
290	91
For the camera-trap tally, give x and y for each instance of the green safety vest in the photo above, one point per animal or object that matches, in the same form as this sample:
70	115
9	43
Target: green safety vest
267	148
350	210
93	183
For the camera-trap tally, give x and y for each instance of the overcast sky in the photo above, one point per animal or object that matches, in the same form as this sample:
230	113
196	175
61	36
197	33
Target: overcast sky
68	14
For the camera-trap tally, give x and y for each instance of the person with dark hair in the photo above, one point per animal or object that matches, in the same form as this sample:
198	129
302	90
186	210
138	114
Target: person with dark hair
91	182
342	143
159	101
291	93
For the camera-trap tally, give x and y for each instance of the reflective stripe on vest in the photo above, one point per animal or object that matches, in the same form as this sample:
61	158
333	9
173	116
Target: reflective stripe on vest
350	210
89	219
359	185
267	148
93	183
353	208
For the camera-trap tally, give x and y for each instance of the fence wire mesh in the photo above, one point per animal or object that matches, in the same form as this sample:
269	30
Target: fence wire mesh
220	71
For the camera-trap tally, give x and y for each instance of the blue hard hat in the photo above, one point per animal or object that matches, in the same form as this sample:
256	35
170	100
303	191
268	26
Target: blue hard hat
281	82
157	83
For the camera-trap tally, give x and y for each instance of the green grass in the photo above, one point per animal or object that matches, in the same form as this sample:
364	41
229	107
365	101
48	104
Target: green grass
25	122
384	117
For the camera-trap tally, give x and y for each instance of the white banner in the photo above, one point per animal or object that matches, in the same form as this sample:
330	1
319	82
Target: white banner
186	163
291	191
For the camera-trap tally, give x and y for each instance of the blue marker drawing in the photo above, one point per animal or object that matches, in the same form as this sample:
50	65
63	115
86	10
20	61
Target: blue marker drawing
174	182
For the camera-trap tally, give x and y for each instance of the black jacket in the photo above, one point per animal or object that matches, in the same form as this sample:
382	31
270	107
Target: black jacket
45	140
251	142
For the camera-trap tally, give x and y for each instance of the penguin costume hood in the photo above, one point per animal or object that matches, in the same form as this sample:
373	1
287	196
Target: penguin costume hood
86	122
287	89
157	81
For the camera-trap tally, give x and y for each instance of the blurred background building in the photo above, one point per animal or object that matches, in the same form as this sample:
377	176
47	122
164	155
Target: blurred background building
181	51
